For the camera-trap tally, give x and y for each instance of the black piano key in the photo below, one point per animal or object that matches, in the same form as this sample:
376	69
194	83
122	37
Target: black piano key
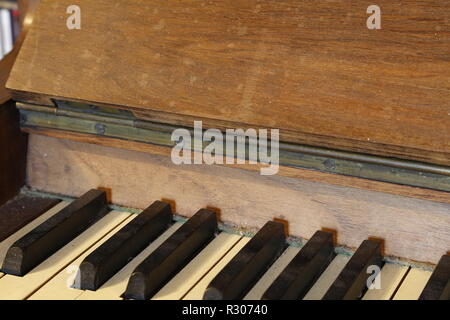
173	255
245	269
351	283
438	286
303	271
115	253
18	212
40	243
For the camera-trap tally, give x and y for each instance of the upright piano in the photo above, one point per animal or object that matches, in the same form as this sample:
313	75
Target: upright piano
119	181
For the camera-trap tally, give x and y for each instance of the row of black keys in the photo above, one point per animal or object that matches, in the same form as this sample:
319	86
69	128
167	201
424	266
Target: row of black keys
233	282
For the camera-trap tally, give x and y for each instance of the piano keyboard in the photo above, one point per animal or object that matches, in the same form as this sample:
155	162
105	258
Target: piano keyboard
79	251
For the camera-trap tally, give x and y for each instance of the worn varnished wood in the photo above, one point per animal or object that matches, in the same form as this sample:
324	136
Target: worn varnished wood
20	211
40	243
244	270
110	257
26	10
311	69
351	283
173	255
302	272
299	173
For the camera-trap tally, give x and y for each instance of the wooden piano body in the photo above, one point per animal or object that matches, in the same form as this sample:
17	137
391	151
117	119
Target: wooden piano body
364	115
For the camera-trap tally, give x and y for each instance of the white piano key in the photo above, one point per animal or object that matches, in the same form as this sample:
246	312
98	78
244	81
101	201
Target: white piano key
196	293
17	288
115	287
60	286
391	276
274	271
413	285
327	278
176	288
6	244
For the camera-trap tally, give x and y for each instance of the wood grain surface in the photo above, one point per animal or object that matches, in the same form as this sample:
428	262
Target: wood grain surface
299	173
310	68
26	10
412	228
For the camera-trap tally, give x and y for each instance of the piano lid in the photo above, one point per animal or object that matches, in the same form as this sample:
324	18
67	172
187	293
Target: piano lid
310	68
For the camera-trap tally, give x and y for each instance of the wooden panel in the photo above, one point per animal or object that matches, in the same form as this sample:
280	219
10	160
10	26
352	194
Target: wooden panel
312	69
13	148
26	9
300	173
412	228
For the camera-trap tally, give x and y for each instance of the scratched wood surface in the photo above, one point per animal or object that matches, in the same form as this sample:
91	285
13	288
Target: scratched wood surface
412	228
310	68
291	172
26	10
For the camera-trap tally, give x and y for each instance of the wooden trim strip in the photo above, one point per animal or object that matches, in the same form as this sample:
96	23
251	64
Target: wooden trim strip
292	172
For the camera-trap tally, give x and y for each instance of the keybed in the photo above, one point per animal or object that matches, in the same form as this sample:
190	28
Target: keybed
215	264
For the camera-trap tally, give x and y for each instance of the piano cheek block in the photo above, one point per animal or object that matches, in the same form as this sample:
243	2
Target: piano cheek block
169	258
114	254
40	243
245	269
